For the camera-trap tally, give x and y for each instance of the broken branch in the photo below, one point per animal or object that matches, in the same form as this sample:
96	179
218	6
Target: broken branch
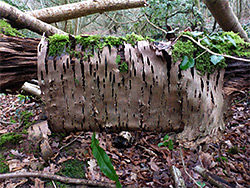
56	178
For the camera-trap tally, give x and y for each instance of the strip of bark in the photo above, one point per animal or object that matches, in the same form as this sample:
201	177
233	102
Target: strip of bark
56	178
23	20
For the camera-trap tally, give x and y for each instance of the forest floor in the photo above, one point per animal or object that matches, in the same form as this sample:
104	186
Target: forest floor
141	164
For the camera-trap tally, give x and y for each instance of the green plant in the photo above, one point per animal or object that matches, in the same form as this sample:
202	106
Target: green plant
73	169
104	161
179	14
219	159
233	150
201	184
6	29
194	56
10	138
22	98
25	118
167	142
3	167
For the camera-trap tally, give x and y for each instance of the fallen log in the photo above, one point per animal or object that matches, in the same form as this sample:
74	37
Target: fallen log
18	63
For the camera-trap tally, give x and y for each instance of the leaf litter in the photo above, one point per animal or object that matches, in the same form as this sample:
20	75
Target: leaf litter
144	164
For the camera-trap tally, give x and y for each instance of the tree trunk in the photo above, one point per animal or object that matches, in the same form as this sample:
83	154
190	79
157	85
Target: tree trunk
18	18
225	17
76	10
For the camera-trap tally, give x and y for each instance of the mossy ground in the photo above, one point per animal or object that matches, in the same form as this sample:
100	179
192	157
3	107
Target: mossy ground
3	166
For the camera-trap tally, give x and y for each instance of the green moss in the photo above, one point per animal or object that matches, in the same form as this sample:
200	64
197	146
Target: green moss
182	48
118	59
6	29
223	43
58	44
73	169
203	63
12	137
3	167
234	150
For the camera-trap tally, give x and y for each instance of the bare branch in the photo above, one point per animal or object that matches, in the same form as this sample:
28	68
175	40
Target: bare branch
155	25
56	178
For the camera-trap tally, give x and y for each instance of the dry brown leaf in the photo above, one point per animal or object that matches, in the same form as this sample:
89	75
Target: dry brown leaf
15	165
152	164
14	185
38	183
207	160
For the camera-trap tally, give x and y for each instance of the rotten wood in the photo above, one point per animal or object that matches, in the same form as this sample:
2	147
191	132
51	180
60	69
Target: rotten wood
18	61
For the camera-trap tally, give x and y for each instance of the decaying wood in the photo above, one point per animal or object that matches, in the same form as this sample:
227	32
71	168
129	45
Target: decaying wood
18	61
178	179
76	10
56	178
32	89
19	18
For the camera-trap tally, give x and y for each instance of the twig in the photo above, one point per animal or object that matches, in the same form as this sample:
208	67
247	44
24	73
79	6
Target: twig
56	178
71	141
178	179
148	150
54	185
155	25
211	52
185	170
200	54
132	21
6	122
211	178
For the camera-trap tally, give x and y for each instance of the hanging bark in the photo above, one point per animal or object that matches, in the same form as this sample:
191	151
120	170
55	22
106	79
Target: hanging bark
20	19
225	17
76	10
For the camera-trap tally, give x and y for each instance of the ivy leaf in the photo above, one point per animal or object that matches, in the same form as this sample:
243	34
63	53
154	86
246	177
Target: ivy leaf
187	63
201	184
160	144
196	33
104	161
206	41
231	40
170	144
215	59
166	137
